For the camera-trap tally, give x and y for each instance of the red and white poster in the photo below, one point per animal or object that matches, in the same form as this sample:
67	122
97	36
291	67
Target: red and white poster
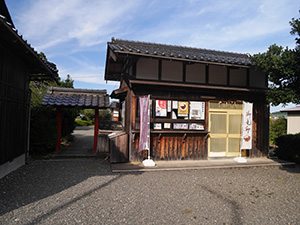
246	138
161	108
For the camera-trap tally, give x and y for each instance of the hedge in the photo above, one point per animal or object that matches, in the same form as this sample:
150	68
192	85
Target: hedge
289	147
43	129
83	123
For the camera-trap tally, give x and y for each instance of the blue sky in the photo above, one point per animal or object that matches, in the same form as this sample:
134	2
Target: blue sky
73	33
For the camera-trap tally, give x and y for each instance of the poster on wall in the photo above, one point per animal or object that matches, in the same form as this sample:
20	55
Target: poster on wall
157	126
246	138
167	125
197	110
180	126
169	105
174	115
196	126
161	108
183	108
175	104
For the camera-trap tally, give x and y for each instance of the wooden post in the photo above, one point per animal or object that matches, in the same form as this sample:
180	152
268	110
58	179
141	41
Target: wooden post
96	129
58	119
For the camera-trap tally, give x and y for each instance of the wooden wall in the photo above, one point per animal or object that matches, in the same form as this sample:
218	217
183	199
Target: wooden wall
172	147
118	147
14	102
180	145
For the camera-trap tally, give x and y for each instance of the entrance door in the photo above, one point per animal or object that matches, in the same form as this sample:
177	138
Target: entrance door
225	132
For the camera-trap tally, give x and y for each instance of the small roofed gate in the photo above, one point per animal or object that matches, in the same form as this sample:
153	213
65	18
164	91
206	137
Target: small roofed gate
77	98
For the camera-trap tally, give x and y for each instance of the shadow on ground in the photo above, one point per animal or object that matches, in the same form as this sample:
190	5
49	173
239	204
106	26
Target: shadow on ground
42	179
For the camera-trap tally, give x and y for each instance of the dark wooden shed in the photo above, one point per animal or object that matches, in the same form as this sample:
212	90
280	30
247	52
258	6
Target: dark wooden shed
196	100
19	64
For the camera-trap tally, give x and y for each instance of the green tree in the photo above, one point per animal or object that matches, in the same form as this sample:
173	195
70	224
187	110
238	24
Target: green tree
104	114
282	65
43	130
278	128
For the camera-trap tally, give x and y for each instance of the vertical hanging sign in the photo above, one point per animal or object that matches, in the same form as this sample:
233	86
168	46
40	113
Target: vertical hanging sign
246	138
144	123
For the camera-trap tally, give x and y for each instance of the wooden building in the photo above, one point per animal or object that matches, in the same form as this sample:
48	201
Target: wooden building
19	64
293	120
196	101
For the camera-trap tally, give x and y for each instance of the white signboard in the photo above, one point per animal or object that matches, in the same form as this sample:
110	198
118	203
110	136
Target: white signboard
175	104
246	138
169	106
196	126
197	110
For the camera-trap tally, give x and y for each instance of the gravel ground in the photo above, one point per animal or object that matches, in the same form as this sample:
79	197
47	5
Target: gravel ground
84	191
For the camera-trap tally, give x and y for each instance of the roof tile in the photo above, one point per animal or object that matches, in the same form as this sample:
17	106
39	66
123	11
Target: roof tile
180	52
76	98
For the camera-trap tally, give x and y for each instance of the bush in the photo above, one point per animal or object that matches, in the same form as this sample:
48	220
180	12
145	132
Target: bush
83	123
89	116
288	147
68	121
277	128
43	129
104	114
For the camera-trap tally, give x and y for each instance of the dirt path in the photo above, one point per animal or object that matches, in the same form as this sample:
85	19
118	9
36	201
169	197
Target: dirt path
81	146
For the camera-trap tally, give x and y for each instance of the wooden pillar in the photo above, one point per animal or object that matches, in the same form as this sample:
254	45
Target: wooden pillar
96	129
58	119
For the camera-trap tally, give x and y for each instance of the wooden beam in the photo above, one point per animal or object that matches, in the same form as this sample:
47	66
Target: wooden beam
112	55
58	119
182	85
96	129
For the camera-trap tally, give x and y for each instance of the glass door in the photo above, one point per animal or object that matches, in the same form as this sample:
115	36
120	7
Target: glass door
225	130
218	134
234	134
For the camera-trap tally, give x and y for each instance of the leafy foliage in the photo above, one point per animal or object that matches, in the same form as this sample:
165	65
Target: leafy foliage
282	65
43	131
104	114
89	115
295	24
84	123
277	128
288	147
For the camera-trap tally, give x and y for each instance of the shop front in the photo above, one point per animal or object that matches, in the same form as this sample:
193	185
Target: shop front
196	101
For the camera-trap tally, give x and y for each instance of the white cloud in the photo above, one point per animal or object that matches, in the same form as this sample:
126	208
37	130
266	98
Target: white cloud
64	28
225	24
53	22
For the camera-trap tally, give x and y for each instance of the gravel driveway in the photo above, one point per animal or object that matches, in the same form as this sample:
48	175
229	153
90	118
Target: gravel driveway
84	191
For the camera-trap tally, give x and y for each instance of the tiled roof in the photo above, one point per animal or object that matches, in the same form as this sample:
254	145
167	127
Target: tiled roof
178	52
4	12
70	97
295	109
12	33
